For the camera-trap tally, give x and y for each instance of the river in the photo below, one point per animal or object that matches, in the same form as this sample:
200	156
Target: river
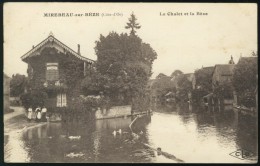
192	135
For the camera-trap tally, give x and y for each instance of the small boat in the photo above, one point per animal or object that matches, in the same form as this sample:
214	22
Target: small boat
72	155
74	137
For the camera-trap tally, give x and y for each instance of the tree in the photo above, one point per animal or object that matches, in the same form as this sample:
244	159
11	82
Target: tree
245	80
18	84
132	24
203	83
204	79
162	85
184	87
160	75
124	64
176	73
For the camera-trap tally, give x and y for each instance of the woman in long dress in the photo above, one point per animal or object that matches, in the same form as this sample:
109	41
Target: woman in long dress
29	116
34	115
44	112
38	114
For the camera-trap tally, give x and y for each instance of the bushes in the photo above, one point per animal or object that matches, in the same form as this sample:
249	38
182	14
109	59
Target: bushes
87	103
33	99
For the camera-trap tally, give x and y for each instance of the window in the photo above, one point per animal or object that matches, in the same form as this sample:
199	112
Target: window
61	100
52	72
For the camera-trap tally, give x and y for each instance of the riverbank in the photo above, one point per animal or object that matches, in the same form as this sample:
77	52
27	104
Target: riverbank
17	121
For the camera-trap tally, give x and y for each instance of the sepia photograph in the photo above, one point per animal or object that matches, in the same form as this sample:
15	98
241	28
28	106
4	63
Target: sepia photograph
130	82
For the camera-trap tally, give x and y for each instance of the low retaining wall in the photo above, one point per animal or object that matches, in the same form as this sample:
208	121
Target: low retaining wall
114	112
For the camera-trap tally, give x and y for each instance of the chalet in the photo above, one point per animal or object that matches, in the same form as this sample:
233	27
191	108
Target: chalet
6	93
49	69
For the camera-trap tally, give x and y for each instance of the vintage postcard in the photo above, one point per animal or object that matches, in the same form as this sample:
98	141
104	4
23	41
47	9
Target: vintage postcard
130	83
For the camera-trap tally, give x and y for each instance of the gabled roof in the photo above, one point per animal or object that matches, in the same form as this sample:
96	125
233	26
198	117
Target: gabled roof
225	69
206	70
51	38
250	58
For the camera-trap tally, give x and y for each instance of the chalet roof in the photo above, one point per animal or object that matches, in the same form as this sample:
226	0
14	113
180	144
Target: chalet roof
51	38
208	69
225	69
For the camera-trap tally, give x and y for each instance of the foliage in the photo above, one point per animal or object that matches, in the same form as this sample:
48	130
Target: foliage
88	103
184	87
197	95
224	91
33	99
18	84
162	85
204	79
176	73
245	80
132	24
245	75
124	65
160	75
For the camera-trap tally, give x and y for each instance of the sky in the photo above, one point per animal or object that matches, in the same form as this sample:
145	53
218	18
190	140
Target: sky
182	41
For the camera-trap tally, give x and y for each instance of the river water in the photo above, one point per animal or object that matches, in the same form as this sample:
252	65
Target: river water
192	135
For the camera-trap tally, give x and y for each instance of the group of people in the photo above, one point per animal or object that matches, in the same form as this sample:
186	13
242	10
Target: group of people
39	114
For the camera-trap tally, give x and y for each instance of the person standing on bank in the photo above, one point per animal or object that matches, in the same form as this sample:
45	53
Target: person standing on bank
44	112
34	114
29	115
38	114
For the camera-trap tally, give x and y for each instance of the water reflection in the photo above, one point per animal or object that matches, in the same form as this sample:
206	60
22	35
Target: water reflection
190	133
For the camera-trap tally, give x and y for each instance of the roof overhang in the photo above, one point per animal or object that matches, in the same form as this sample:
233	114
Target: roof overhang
51	38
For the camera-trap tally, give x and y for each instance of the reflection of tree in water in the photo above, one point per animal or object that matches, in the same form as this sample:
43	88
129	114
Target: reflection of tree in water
184	112
247	133
204	121
226	126
139	152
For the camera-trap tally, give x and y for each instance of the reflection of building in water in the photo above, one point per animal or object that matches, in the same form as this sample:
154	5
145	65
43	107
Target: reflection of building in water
113	124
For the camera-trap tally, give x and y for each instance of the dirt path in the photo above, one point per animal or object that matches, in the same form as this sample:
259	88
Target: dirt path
17	111
17	121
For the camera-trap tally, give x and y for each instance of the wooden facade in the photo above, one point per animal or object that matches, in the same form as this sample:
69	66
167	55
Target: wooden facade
49	65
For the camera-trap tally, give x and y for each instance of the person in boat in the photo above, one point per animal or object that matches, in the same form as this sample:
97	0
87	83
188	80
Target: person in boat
38	114
29	115
44	113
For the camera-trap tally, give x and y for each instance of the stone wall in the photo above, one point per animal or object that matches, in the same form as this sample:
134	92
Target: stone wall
114	112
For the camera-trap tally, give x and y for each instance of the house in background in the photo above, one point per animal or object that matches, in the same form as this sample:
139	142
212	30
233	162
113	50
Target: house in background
6	93
47	63
222	75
